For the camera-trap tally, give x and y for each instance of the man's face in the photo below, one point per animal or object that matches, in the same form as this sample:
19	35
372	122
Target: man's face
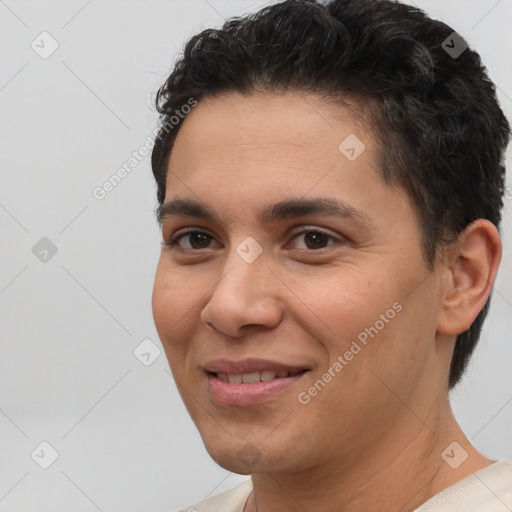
255	290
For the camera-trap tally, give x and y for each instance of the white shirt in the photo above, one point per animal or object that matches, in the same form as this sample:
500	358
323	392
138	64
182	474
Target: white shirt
487	490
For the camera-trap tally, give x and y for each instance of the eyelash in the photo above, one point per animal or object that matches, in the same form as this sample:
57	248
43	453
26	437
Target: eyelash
174	241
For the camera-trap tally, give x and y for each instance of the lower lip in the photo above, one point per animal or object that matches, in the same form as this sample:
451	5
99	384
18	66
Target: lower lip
250	393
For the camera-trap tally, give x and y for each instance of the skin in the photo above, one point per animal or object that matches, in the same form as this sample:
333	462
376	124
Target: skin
373	437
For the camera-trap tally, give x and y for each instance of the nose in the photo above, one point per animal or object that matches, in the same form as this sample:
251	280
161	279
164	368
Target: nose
245	297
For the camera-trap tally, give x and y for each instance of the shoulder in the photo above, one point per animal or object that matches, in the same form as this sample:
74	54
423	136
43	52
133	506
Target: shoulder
487	490
229	501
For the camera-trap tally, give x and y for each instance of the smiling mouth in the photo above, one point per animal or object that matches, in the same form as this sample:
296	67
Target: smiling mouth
251	388
252	377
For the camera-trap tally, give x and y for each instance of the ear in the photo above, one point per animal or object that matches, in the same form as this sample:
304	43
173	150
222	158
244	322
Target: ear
469	273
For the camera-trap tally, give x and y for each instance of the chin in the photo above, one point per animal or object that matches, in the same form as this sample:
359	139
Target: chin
235	458
245	457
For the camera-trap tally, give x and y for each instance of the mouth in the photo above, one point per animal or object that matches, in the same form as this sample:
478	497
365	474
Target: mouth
250	382
249	378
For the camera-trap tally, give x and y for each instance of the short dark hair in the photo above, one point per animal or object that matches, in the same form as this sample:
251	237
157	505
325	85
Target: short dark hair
441	132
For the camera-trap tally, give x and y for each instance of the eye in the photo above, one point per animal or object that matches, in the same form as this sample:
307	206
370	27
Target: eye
313	239
191	240
308	239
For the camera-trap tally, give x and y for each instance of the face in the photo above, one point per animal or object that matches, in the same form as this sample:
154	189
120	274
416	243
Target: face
291	295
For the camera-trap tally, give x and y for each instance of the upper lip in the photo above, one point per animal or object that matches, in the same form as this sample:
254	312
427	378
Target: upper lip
233	367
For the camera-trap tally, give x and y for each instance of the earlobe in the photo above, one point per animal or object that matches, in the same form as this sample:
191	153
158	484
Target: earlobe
469	277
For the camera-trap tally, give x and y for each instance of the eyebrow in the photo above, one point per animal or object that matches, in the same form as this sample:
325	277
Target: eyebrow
269	213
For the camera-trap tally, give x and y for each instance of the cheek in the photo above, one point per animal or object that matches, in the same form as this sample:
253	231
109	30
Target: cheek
373	320
388	342
162	302
340	305
172	304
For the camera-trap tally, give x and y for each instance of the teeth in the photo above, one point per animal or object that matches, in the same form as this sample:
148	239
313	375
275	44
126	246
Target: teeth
262	376
268	375
251	377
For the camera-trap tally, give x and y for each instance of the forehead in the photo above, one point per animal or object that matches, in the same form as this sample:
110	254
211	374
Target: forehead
238	153
298	119
245	158
267	135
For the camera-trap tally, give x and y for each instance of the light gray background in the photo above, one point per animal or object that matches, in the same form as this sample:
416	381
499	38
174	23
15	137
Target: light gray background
69	326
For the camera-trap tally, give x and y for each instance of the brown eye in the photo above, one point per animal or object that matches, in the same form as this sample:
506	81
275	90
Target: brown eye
313	239
199	240
192	240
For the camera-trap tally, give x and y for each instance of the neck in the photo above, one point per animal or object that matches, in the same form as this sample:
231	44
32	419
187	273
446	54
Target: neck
397	472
